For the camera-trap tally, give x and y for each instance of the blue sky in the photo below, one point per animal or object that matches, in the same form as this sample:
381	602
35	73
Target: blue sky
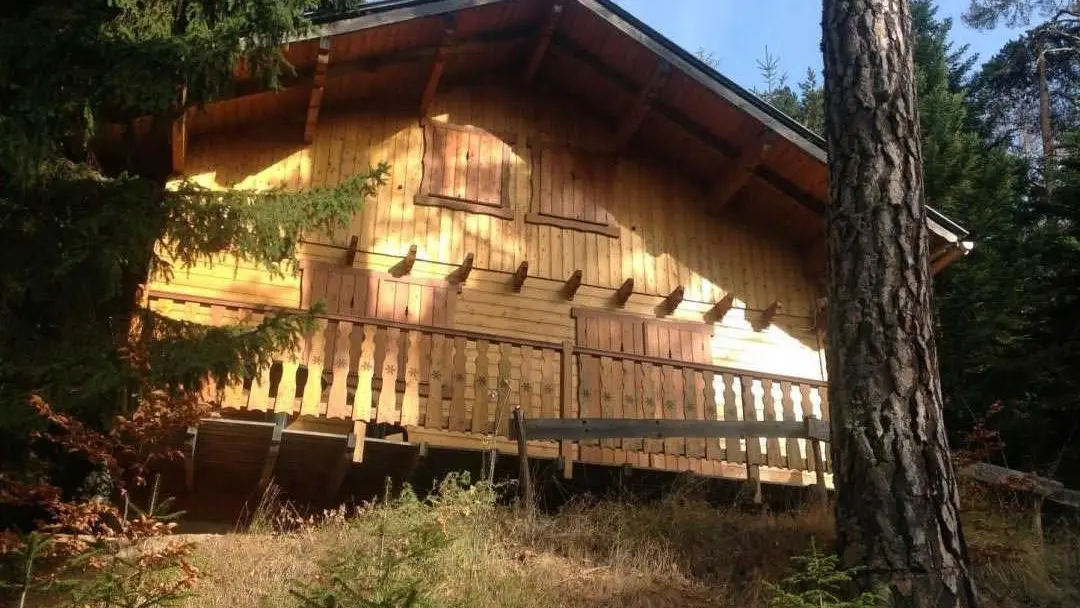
737	31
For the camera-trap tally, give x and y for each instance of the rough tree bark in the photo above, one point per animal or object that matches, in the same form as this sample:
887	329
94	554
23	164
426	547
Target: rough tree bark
897	507
1044	113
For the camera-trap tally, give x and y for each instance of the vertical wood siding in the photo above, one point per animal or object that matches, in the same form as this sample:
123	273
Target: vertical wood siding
667	235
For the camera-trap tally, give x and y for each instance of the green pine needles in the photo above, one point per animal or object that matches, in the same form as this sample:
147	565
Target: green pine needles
818	581
85	219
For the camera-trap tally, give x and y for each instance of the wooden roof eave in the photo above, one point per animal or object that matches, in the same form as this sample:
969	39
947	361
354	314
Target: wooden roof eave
382	13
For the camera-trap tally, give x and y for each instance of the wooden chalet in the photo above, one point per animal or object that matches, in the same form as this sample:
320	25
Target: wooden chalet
582	220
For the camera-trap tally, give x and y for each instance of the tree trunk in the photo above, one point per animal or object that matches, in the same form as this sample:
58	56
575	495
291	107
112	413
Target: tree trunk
897	507
1044	113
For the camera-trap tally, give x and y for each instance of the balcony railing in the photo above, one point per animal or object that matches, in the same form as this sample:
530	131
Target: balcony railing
467	382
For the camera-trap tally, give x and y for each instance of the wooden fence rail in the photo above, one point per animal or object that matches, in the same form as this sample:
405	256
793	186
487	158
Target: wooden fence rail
367	370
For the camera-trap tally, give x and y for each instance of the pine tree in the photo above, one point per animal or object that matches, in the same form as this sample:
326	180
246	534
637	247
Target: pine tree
897	508
80	229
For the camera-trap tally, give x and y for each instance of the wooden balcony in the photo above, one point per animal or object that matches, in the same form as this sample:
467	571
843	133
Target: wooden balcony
457	389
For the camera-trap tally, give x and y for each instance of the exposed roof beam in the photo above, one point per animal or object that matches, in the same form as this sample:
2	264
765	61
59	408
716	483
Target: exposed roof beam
437	65
691	126
641	106
536	57
572	284
322	62
178	136
670	302
624	292
948	256
473	44
716	83
518	279
735	175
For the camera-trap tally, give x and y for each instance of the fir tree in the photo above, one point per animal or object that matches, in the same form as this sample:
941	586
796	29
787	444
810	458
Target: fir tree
81	228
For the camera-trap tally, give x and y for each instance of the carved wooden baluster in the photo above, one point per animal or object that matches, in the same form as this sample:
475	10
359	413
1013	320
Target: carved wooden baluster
652	401
211	392
365	373
503	391
549	384
337	402
791	444
631	405
671	393
807	408
608	392
753	444
439	372
259	395
734	452
285	401
527	384
825	456
310	402
410	400
693	388
233	393
708	393
482	385
458	422
387	410
772	445
589	391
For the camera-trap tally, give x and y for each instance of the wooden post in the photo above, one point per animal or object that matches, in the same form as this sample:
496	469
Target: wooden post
270	461
359	431
543	41
572	284
671	302
566	372
437	65
767	316
350	255
815	457
341	468
462	272
190	439
719	309
623	294
322	63
518	280
524	477
405	266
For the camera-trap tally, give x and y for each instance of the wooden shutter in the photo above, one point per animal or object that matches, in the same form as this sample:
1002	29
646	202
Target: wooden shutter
572	188
607	331
465	168
363	293
678	341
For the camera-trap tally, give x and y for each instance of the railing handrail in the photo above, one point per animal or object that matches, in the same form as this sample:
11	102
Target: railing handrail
427	329
702	367
650	428
475	335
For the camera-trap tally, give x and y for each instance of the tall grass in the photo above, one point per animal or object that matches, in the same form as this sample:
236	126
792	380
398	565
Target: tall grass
678	551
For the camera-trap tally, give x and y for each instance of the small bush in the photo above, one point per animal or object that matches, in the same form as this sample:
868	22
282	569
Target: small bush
817	581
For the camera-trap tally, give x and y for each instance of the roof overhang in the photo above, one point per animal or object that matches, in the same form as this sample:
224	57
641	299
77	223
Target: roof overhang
716	132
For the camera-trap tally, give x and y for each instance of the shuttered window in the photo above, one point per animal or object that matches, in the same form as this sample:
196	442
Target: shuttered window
465	168
363	293
571	188
625	333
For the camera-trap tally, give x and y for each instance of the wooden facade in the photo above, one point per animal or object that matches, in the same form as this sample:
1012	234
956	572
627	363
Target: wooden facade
547	239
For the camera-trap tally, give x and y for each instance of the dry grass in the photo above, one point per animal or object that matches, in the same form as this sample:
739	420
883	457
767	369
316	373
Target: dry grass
679	551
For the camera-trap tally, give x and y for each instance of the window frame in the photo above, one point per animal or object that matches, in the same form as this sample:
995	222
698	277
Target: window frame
424	196
536	216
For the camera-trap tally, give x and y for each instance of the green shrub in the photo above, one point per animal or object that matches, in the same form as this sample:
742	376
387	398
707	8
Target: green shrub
817	581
